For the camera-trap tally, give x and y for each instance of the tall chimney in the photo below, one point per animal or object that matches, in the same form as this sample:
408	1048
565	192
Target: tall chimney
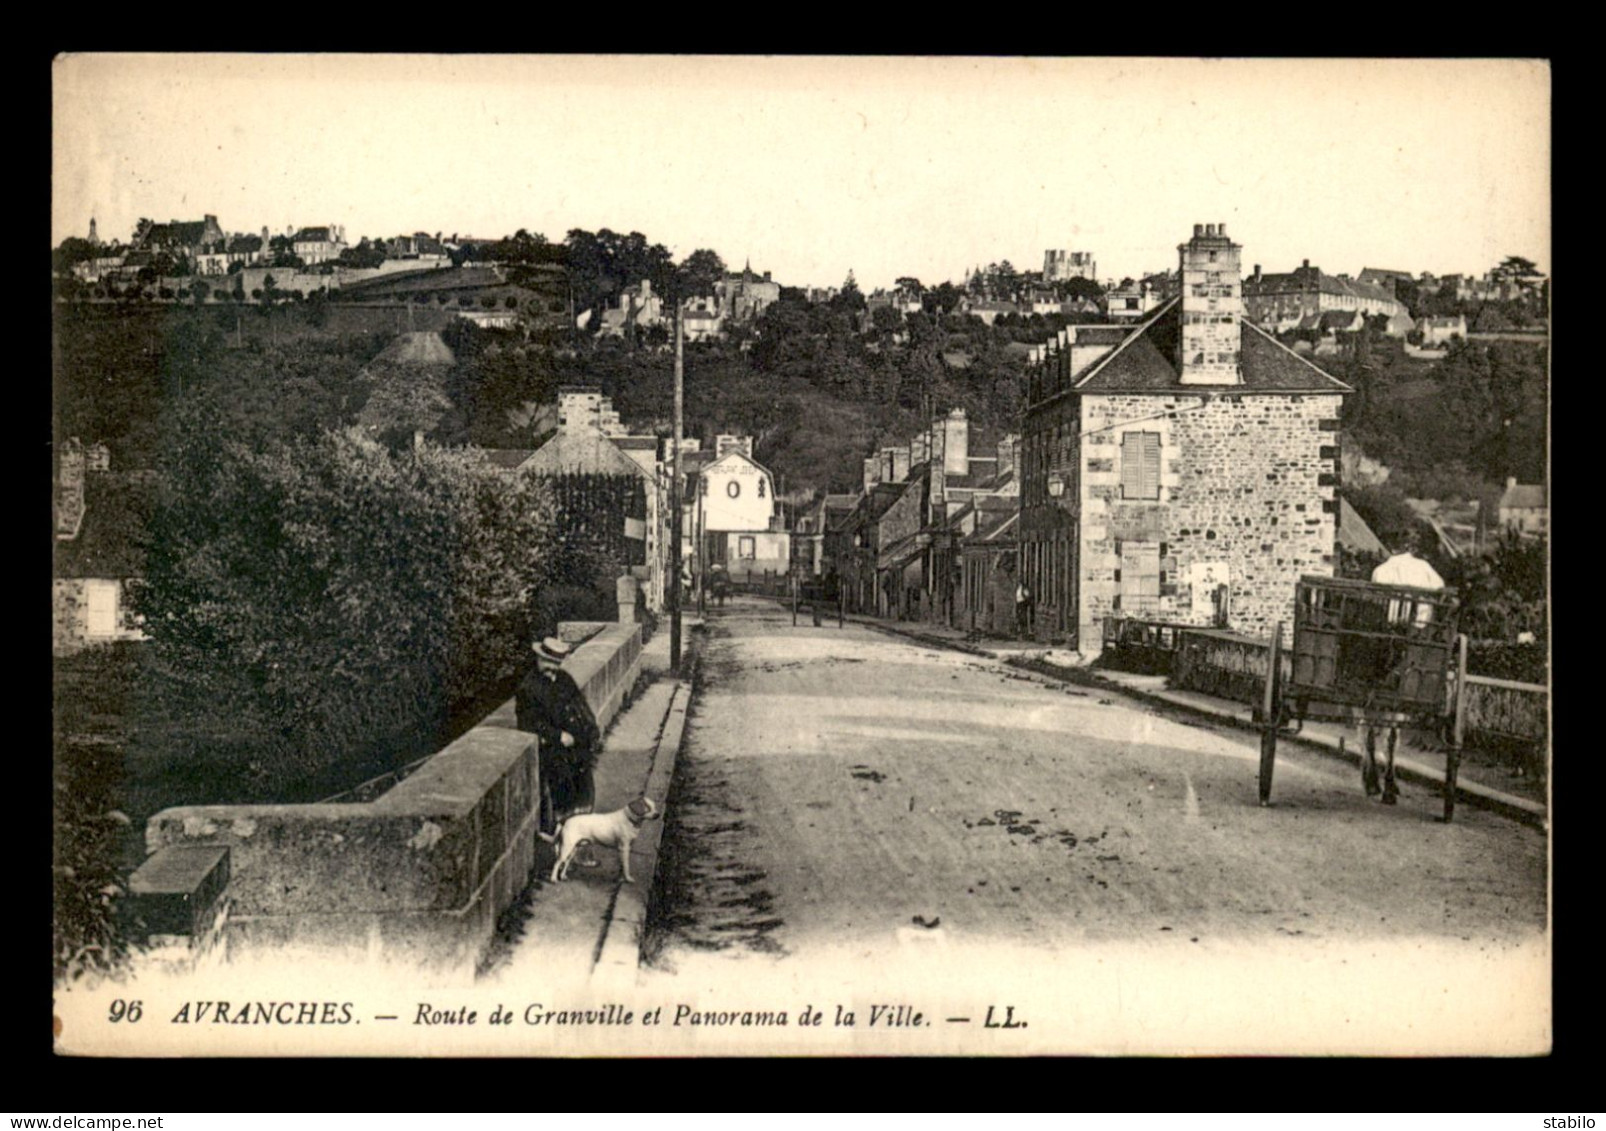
956	443
1006	453
872	472
1212	304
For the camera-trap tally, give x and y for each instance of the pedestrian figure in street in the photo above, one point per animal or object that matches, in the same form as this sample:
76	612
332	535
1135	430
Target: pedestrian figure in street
1023	609
550	705
1404	568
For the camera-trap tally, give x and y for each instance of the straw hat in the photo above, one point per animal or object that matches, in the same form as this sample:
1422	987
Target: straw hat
552	649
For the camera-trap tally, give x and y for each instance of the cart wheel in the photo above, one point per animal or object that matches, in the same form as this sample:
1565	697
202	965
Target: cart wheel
1268	761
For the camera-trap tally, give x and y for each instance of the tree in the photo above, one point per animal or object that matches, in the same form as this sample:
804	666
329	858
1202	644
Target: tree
697	274
849	299
1515	267
886	320
945	297
73	251
1080	288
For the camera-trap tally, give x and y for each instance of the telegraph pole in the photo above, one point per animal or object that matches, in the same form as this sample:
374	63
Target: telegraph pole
674	495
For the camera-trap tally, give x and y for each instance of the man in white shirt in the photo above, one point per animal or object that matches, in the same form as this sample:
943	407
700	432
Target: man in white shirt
1403	568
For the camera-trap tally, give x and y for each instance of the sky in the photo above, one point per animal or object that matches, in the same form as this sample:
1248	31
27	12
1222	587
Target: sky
812	167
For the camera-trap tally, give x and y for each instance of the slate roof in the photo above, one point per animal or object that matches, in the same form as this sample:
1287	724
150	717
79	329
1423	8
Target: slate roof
1380	275
310	235
993	526
183	233
1524	496
1302	277
1147	362
582	452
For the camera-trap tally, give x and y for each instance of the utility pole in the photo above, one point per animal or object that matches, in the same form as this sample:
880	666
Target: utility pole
674	495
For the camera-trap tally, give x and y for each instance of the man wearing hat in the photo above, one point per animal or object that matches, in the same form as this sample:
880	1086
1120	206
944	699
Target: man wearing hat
550	706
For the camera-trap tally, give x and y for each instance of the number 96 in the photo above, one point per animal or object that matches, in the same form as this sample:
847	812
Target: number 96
129	1011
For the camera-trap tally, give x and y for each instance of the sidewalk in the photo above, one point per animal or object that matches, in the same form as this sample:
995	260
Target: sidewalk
1481	780
557	930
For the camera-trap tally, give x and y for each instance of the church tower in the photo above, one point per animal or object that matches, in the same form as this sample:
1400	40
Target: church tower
93	238
1212	304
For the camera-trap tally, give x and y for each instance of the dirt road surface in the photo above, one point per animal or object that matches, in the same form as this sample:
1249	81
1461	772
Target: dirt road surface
870	811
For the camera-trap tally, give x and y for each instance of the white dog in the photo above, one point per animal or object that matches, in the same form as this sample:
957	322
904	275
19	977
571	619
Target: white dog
616	829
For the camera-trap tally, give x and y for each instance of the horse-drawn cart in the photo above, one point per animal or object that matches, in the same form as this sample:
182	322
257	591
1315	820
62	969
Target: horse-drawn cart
1380	656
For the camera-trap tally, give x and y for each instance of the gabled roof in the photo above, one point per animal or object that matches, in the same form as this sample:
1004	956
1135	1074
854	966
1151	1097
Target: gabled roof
993	527
1147	362
1524	496
736	454
583	452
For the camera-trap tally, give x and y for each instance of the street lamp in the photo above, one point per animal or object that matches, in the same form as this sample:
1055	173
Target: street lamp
1056	485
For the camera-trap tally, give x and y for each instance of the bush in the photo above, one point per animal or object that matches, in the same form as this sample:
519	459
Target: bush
91	688
322	590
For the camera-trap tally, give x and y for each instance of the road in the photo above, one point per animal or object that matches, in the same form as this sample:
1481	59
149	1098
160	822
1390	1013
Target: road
845	791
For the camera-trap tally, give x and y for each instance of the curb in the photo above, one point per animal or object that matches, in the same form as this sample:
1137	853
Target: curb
1531	813
619	954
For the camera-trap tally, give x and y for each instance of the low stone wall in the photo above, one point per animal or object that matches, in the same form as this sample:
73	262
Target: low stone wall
417	876
606	667
1225	664
420	874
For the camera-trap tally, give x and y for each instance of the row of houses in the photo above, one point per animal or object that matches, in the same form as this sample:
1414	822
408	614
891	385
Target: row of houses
737	299
210	251
930	534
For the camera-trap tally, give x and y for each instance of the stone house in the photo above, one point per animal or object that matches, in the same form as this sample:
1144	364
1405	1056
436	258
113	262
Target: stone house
318	245
1186	474
1441	329
179	237
99	552
1280	301
1525	507
743	297
986	601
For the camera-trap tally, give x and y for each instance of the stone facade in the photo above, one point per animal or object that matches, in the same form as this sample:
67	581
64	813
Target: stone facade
1185	473
1246	502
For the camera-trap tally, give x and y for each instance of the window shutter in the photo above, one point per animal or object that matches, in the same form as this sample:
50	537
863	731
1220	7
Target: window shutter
1140	465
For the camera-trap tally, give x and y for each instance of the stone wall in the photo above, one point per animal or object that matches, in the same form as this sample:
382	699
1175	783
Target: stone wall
417	876
1246	500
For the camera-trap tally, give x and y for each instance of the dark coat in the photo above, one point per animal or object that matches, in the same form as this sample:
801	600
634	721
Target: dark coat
546	707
